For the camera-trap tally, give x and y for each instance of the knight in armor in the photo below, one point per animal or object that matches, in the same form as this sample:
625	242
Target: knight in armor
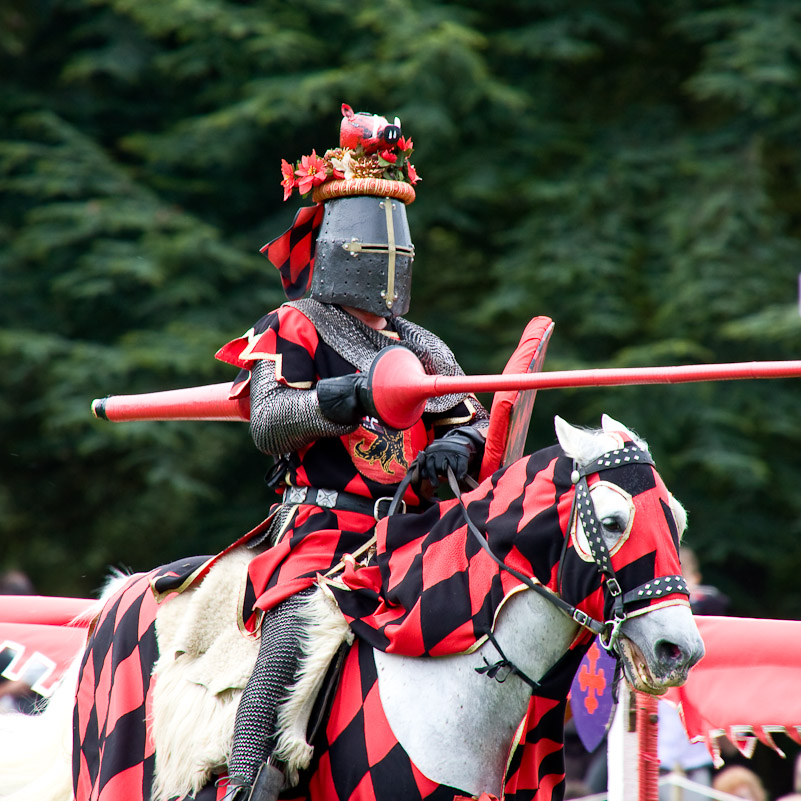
304	366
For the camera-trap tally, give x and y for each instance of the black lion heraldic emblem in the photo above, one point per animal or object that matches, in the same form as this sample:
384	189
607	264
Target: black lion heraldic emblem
387	447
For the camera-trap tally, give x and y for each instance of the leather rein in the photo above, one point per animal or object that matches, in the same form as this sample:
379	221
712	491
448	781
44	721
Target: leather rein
582	509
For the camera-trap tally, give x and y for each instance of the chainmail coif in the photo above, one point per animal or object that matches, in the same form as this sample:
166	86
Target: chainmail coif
359	343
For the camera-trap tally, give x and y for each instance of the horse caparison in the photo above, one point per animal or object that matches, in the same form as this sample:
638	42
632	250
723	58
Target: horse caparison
443	711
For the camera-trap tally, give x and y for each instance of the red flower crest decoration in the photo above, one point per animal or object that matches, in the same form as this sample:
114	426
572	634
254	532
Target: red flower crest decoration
288	181
311	172
345	163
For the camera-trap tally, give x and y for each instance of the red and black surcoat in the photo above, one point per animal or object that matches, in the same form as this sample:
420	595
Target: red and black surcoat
306	341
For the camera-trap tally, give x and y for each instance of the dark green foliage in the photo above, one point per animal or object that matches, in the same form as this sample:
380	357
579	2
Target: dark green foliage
630	169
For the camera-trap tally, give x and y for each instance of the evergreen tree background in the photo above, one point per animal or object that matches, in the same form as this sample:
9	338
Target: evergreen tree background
629	168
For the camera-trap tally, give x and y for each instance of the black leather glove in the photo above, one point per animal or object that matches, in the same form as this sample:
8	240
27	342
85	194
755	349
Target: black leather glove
343	399
458	449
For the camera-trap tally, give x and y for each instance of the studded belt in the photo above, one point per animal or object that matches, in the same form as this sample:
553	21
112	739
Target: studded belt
344	501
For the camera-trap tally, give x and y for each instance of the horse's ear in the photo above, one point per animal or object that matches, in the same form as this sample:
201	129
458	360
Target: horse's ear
574	441
611	426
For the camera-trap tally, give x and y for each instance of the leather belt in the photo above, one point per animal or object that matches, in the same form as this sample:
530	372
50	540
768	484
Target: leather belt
344	501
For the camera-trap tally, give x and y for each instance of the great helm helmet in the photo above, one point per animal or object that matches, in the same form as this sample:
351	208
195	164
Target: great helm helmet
354	248
364	255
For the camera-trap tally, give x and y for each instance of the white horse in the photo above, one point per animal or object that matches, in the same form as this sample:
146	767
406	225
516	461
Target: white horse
455	727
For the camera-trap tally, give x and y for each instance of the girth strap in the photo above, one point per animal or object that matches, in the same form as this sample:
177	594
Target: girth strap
501	670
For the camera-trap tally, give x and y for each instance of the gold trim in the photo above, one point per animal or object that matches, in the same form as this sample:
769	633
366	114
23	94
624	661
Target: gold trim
451	421
249	352
586	554
161	596
516	740
289	519
240	602
660	605
278	364
484	638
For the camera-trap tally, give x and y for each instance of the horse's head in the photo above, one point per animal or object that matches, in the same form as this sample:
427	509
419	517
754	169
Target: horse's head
625	522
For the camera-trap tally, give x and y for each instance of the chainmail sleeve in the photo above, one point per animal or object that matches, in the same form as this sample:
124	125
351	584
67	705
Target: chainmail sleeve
283	419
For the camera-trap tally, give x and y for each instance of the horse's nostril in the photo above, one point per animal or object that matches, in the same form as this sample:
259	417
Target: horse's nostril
668	652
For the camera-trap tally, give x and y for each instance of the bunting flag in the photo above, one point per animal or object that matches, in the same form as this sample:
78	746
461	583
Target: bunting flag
292	253
38	654
37	640
746	687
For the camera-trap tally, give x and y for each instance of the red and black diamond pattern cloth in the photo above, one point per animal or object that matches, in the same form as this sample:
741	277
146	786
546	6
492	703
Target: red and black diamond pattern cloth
315	540
432	590
440	597
536	769
358	758
292	253
113	756
370	461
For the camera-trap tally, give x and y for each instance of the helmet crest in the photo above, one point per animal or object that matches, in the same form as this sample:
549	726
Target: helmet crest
354	248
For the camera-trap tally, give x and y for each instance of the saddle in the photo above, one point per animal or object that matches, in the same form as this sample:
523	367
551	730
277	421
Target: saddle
206	657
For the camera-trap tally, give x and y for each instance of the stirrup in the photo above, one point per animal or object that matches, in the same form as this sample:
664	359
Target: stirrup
268	782
236	790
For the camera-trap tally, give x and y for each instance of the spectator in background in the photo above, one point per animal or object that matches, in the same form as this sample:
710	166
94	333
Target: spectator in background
704	599
676	753
575	789
15	582
16	695
796	794
740	781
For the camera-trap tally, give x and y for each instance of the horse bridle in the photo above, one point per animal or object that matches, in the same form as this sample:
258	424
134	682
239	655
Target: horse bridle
583	509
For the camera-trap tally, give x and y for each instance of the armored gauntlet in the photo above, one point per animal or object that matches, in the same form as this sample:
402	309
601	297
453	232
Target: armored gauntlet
459	449
344	399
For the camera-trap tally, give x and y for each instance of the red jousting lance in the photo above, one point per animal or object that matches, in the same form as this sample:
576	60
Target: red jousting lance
211	402
400	386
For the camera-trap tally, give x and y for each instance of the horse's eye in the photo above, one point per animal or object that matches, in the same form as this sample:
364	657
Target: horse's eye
613	524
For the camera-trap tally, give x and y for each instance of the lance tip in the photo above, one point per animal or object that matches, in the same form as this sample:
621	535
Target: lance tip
99	408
